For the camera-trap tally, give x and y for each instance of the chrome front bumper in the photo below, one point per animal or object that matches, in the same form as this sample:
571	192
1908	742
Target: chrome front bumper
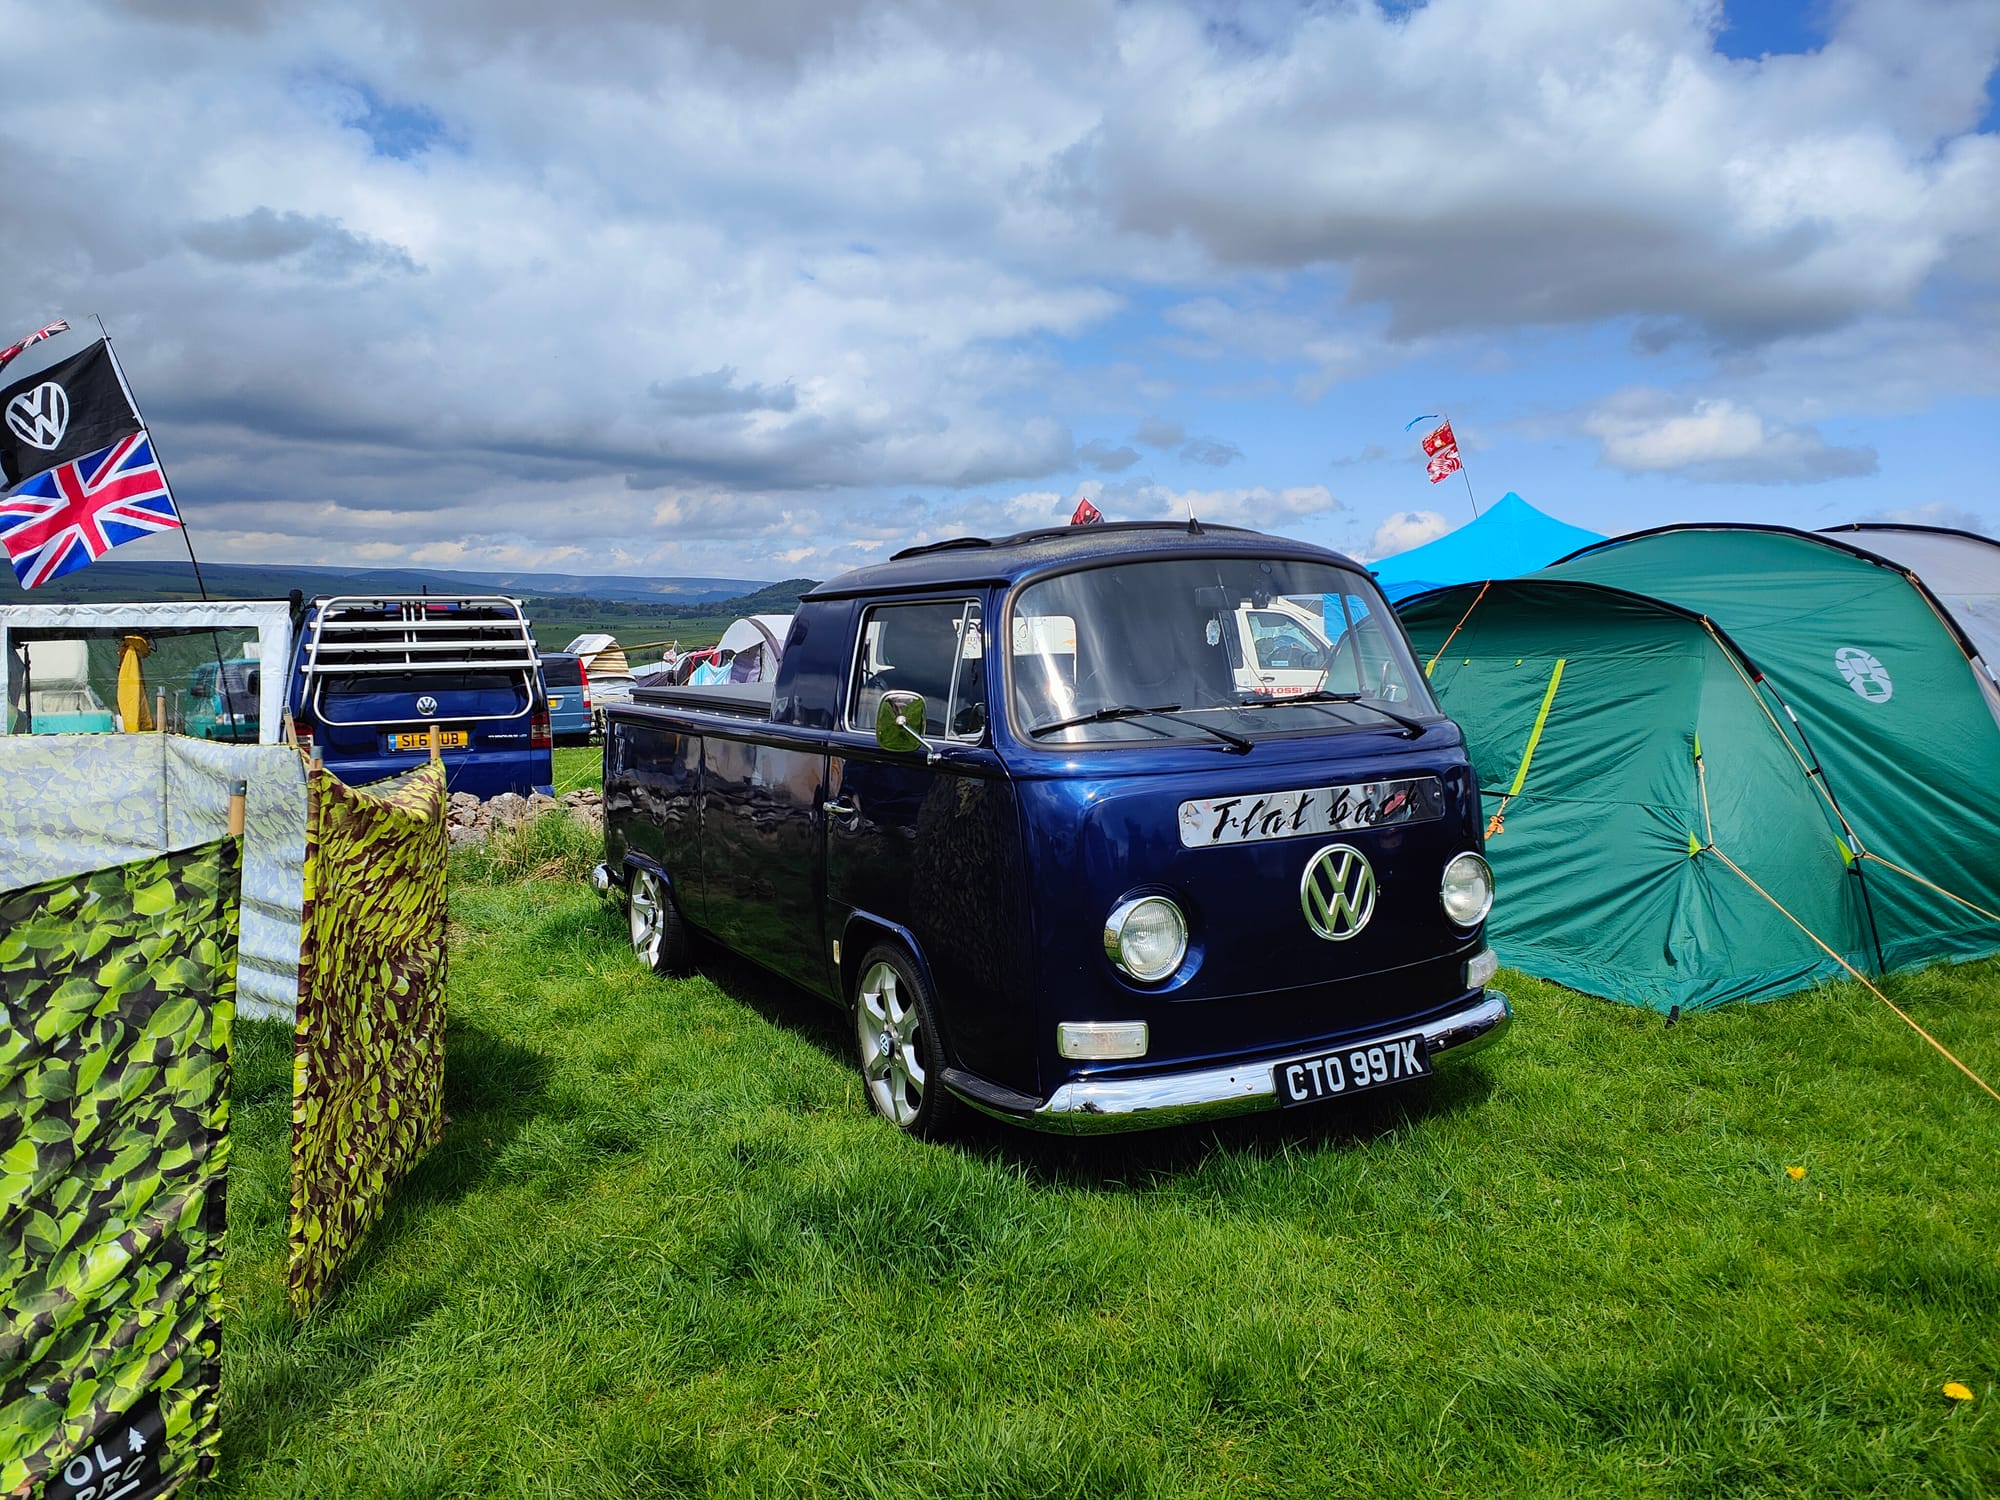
1093	1106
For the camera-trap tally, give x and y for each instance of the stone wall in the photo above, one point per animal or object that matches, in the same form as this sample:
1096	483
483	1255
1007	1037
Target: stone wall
470	820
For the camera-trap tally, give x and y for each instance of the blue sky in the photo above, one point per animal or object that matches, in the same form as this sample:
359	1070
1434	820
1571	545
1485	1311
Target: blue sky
773	286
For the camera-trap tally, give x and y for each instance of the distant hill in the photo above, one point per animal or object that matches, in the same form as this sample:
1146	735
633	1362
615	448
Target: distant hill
112	580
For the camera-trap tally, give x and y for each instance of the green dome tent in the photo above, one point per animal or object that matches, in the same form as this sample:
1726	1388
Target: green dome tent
1706	751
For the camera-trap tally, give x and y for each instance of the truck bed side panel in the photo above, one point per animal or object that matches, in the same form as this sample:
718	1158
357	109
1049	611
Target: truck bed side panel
652	805
762	857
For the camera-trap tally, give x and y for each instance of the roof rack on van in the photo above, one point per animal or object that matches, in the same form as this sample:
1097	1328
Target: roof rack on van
353	633
1052	533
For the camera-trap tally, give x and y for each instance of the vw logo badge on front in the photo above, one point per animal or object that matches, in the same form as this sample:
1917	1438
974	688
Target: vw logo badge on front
40	417
427	705
1337	892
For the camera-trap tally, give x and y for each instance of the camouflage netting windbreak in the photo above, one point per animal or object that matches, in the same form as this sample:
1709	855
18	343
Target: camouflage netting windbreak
117	995
368	1073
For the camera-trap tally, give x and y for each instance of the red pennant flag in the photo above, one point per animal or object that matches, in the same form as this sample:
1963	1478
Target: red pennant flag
1085	514
1437	441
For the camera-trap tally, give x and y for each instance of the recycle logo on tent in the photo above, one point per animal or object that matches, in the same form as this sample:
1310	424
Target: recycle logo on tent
1864	673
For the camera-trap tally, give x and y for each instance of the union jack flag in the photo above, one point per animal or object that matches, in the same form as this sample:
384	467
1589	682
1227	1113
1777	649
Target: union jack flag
69	516
47	332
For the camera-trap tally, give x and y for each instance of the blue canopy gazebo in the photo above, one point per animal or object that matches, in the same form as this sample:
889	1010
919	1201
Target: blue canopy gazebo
1508	540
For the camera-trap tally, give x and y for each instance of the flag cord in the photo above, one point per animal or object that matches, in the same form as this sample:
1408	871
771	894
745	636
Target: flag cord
1907	1019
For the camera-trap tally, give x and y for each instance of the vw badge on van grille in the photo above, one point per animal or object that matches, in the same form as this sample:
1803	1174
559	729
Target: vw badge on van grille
427	705
1338	892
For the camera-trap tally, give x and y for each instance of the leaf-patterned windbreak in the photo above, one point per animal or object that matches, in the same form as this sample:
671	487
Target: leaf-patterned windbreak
368	1069
117	995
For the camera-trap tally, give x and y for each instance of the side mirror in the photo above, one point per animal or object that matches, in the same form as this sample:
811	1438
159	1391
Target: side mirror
899	722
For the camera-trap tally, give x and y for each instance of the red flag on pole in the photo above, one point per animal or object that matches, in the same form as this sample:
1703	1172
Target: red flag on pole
1085	514
1441	448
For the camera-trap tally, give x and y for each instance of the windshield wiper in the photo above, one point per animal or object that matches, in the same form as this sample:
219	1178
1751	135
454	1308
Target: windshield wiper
1235	742
1411	727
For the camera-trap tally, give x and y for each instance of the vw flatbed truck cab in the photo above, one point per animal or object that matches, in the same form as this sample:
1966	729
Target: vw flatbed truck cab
1025	809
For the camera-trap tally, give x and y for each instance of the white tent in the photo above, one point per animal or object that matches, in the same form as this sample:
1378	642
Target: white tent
758	644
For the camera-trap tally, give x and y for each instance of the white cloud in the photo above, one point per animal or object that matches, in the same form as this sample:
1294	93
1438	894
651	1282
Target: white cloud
1259	506
1404	530
1715	439
707	284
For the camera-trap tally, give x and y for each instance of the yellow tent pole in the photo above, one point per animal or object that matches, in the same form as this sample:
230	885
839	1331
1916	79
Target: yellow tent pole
1496	825
1541	722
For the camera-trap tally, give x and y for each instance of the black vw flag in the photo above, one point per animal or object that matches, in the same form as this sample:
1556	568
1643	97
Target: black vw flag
62	413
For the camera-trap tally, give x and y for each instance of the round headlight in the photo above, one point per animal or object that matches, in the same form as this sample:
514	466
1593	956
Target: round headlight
1146	938
1467	892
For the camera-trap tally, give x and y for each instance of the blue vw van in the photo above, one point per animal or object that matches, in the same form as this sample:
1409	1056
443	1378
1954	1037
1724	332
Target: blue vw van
1036	812
374	673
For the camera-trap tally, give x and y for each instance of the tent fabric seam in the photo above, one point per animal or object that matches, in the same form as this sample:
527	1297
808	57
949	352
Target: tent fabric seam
1822	538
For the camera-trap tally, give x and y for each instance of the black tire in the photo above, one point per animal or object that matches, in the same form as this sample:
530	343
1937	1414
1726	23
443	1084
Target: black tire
659	936
899	1045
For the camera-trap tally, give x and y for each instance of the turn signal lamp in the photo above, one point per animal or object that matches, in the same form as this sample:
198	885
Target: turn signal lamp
1480	968
1101	1040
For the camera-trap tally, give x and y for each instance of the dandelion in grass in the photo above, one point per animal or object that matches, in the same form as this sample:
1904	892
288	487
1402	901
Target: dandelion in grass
1956	1391
1795	1173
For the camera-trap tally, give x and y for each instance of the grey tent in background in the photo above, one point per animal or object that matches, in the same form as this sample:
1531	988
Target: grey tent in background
1961	568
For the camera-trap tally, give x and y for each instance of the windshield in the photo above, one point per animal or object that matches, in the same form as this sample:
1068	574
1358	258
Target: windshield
1188	647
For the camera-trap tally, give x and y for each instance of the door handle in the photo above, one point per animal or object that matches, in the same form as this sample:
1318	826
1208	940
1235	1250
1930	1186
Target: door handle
843	807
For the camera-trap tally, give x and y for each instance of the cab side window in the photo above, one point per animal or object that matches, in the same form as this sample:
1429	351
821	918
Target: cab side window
936	649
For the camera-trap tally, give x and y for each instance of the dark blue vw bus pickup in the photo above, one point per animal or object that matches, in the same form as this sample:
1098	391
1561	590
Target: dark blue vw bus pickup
1090	829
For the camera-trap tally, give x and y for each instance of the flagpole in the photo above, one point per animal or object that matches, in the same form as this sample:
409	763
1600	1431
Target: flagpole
223	697
1461	469
186	538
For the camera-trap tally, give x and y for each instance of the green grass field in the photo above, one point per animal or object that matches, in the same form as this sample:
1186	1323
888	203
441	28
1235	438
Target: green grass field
578	765
664	1250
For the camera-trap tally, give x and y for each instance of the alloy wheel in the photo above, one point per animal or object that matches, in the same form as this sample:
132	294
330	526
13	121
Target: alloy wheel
890	1029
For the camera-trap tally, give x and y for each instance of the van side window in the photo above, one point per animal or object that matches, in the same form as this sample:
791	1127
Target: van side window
938	650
